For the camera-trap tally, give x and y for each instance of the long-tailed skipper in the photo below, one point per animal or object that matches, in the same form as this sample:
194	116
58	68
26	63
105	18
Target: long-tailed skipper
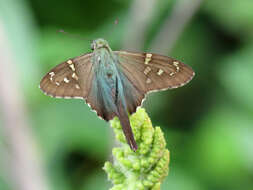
114	83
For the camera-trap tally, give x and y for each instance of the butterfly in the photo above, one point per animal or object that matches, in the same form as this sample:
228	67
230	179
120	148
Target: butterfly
114	83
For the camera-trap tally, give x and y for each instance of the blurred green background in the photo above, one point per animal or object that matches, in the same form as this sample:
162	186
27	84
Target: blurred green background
208	124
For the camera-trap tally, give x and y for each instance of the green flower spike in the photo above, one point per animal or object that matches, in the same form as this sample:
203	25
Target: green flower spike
148	166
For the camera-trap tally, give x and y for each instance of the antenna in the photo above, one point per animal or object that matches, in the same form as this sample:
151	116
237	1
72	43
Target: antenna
77	36
72	35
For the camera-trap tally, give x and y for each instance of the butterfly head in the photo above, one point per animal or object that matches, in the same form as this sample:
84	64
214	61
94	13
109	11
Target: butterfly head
99	43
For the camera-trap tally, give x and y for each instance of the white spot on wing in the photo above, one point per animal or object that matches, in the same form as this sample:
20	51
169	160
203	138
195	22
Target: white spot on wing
66	80
160	72
149	55
74	76
51	75
147	70
77	86
72	67
175	63
148	58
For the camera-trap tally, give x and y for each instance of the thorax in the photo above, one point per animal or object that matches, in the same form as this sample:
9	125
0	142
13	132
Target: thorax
105	66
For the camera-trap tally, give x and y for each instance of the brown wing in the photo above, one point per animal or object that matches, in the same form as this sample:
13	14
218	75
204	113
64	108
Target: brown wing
149	72
74	78
69	79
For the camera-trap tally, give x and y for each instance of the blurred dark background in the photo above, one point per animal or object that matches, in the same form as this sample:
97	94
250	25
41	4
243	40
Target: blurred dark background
208	124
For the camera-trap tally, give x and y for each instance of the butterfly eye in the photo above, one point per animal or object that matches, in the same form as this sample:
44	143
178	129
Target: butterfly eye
93	45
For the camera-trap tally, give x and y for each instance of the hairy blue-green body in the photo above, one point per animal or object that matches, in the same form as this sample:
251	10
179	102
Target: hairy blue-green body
107	81
107	87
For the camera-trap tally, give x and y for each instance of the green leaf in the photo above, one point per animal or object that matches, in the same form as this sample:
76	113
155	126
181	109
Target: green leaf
148	166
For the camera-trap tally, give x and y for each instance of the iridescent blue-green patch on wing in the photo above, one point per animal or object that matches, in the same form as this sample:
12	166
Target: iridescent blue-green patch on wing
133	96
100	101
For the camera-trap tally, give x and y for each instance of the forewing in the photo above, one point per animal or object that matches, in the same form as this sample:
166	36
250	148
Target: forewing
75	79
69	79
150	72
